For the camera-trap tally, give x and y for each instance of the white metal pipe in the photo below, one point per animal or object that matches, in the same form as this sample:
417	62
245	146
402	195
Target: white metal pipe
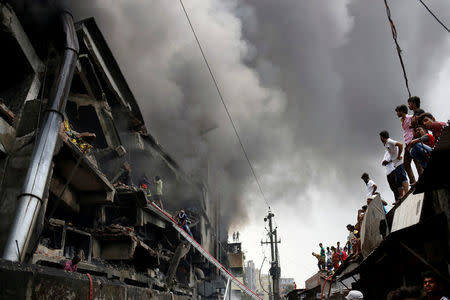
33	190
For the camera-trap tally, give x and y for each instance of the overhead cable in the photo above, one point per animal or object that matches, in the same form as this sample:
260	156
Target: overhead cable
223	102
399	50
434	16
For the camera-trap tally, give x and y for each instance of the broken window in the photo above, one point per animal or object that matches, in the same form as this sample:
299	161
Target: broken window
16	75
52	237
85	119
77	242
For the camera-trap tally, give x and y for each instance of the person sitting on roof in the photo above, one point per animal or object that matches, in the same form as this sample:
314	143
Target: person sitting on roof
422	145
182	220
430	123
71	265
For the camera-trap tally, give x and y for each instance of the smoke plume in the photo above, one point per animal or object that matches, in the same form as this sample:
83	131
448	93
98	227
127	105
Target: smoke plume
309	83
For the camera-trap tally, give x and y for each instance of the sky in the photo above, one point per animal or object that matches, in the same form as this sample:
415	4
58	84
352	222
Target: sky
309	84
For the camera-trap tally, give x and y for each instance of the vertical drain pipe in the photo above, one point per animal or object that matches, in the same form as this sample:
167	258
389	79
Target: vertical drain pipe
30	200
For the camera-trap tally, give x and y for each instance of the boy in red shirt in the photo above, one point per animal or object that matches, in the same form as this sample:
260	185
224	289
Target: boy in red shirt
335	258
430	124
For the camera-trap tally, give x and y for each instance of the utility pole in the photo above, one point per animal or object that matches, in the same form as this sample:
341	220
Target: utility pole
275	270
270	288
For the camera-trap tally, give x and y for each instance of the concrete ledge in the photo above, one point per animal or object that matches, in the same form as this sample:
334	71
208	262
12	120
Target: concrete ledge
21	281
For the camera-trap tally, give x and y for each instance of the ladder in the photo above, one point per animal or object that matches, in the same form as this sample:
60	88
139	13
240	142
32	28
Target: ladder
225	273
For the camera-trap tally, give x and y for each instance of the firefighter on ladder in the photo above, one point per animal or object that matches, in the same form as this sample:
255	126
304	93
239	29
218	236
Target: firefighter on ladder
182	221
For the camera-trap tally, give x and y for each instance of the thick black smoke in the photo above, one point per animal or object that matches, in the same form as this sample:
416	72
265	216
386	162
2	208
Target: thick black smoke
309	83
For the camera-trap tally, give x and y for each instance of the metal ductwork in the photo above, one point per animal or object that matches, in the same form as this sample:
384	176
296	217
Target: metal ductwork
30	200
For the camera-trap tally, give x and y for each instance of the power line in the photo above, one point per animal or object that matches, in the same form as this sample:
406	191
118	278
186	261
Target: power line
223	102
434	16
399	50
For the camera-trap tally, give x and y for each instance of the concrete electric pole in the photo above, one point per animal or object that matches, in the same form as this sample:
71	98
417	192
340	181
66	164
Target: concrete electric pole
275	270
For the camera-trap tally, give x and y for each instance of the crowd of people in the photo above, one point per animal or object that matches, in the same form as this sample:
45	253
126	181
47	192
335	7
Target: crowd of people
420	133
331	259
145	185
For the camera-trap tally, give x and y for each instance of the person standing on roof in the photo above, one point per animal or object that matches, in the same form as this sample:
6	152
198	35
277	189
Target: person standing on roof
321	263
395	149
335	258
351	239
237	236
408	134
182	220
338	247
329	265
414	105
371	186
159	192
390	174
144	184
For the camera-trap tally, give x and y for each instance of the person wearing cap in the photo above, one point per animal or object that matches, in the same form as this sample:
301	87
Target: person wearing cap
353	295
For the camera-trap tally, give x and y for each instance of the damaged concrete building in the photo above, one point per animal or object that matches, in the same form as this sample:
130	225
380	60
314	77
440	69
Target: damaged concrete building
90	202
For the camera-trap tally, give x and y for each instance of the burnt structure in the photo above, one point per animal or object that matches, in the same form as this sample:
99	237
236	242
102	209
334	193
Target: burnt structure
92	204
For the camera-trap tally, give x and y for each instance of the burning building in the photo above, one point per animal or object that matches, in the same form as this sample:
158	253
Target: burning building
77	166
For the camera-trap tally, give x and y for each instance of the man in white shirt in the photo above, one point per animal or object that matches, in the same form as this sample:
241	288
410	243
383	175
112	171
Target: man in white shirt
371	185
394	151
390	174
